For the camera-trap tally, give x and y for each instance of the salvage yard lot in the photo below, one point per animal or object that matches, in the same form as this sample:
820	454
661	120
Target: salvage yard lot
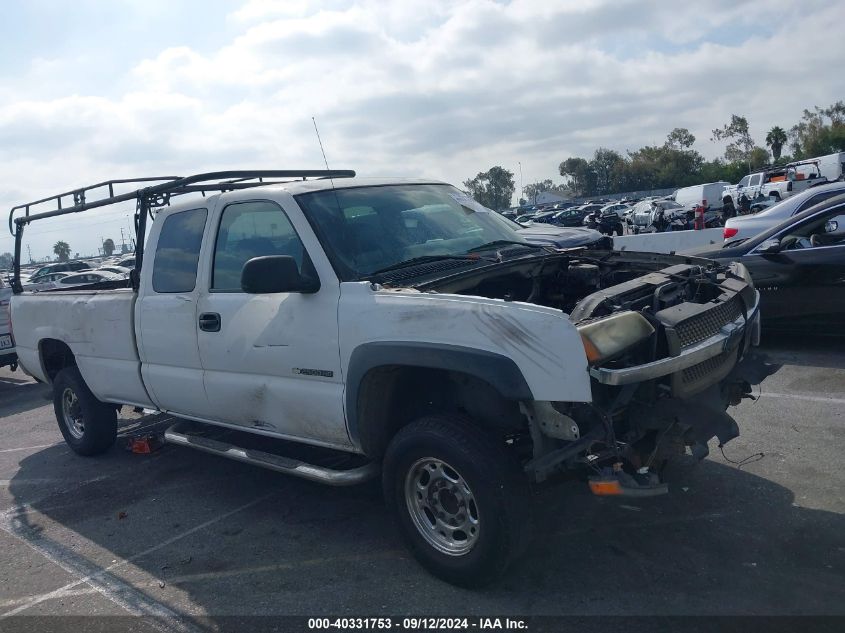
183	532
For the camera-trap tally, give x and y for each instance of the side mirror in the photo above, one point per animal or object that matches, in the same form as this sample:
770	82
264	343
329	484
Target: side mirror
770	246
274	274
832	226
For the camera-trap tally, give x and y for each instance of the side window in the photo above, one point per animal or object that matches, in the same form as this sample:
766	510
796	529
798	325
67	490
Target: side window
755	180
816	199
178	251
744	181
253	229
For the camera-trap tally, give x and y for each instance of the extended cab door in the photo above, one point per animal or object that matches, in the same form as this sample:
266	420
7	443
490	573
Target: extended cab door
166	313
272	361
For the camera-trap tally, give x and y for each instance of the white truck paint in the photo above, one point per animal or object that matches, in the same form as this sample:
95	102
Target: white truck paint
241	376
7	341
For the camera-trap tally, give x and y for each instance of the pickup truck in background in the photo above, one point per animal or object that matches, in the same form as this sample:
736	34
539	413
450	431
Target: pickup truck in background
406	327
775	182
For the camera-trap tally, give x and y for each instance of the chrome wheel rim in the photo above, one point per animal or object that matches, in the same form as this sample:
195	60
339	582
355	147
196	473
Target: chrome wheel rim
72	413
442	506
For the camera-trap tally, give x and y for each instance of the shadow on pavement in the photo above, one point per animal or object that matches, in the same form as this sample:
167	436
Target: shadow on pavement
724	541
804	350
20	395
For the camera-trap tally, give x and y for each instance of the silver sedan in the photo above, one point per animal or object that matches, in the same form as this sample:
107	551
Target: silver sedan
745	226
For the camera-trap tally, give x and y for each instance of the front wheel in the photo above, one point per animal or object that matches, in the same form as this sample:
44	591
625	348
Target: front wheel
88	425
459	497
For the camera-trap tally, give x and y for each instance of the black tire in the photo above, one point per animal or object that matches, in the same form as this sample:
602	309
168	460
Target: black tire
499	496
96	425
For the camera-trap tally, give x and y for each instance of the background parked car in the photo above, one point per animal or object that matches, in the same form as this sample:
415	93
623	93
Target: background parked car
620	208
574	216
44	281
89	277
643	215
605	220
750	225
118	270
61	267
564	237
798	266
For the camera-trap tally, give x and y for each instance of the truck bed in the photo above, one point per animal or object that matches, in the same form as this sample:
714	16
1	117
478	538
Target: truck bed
99	325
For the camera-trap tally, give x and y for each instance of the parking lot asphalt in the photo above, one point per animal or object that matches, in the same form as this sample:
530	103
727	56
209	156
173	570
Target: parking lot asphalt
182	532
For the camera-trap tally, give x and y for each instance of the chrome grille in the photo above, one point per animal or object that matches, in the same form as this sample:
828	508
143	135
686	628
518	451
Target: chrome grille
709	322
706	368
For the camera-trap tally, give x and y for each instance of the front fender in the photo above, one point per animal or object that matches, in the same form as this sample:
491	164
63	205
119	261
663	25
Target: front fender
499	371
495	339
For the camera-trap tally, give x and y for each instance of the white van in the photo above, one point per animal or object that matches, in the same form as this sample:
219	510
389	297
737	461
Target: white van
690	197
831	166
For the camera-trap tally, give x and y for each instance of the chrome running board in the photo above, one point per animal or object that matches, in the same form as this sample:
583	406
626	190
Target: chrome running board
177	434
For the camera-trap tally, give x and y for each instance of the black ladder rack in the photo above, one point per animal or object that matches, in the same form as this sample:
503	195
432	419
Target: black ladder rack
152	192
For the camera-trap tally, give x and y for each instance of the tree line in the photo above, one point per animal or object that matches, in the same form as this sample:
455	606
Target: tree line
675	163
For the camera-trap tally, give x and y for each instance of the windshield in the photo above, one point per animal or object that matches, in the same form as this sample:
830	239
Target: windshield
367	229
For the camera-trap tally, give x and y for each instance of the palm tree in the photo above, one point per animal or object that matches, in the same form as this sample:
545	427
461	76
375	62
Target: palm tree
776	139
62	250
108	247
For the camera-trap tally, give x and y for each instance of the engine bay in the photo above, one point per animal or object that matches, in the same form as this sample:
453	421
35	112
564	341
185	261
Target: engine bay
595	283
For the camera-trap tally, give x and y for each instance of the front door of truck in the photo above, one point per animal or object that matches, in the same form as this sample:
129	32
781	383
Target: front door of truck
272	360
166	314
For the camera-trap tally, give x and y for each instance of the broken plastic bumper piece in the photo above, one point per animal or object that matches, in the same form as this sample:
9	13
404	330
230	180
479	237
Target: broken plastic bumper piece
619	483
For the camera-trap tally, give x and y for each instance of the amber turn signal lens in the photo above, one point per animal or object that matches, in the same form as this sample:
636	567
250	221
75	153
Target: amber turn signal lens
605	487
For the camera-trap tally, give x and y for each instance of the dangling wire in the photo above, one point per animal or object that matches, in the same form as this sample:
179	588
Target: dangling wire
756	457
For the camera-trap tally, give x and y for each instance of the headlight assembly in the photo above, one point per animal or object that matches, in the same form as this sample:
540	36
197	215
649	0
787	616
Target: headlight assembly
611	336
742	272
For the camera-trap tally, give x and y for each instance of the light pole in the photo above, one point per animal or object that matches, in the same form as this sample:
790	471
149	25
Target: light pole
521	185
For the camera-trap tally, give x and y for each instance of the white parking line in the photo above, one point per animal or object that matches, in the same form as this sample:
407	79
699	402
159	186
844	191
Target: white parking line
101	579
230	573
791	396
28	448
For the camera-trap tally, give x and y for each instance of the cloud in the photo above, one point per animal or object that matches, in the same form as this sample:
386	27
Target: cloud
433	88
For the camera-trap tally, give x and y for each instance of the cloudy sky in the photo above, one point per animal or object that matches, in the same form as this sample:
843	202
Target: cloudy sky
98	89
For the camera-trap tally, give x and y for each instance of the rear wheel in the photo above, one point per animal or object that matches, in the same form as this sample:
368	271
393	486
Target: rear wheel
460	499
88	425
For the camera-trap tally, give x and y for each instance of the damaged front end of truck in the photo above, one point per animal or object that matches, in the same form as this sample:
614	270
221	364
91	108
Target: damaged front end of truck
671	344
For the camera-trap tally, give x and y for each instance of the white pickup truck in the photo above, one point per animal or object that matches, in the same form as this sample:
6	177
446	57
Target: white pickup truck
776	182
402	323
